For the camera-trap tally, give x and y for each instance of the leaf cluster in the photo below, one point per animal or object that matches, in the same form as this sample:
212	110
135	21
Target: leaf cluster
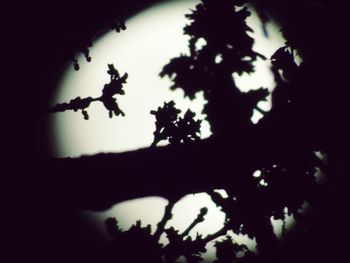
114	87
170	126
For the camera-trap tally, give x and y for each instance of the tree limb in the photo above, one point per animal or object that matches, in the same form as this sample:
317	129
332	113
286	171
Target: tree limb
99	181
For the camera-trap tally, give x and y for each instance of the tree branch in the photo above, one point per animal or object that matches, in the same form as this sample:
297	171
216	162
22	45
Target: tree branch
97	182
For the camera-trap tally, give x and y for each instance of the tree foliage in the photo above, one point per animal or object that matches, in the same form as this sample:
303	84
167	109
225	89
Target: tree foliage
114	87
287	171
175	129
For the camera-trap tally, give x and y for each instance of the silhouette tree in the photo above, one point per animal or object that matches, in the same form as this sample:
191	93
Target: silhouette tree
307	117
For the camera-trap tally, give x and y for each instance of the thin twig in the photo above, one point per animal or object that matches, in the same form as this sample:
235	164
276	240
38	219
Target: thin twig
166	217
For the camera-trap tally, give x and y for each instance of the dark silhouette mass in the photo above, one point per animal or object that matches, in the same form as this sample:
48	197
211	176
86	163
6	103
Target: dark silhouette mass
306	133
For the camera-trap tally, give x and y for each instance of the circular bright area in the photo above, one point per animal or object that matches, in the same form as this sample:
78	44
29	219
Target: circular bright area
152	38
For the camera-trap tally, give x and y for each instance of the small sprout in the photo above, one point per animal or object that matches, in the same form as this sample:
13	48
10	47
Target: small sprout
112	71
85	114
202	213
76	65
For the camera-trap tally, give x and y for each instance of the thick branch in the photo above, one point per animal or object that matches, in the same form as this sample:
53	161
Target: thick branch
98	182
